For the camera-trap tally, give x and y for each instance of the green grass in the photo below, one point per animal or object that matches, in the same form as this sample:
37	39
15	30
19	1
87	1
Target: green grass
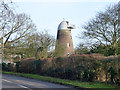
64	81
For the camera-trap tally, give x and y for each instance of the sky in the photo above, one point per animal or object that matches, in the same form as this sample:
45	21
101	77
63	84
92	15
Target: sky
47	15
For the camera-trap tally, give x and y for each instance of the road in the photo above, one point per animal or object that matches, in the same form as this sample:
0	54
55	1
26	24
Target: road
10	81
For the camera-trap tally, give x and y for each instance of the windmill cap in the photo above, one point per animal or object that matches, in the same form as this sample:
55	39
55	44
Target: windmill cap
64	25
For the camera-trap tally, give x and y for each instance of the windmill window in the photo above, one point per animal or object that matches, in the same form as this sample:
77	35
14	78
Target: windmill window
68	44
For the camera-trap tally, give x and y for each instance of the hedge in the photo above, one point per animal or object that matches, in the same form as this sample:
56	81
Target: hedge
85	67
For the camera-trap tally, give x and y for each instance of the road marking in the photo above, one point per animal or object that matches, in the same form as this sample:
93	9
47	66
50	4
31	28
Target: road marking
24	87
7	81
29	83
18	85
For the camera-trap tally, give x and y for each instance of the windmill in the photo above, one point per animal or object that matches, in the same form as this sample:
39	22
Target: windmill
64	39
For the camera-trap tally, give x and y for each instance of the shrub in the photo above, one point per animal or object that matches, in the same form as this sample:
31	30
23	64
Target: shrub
4	67
84	67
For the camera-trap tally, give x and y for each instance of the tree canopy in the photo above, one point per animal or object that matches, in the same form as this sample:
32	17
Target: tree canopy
104	29
14	25
20	34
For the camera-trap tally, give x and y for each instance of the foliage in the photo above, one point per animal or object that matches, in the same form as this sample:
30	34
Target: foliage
103	50
4	67
37	45
81	49
100	49
14	25
103	29
59	50
65	82
8	67
84	67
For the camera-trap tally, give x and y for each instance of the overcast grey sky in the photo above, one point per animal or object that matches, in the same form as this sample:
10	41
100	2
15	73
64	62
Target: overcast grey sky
48	15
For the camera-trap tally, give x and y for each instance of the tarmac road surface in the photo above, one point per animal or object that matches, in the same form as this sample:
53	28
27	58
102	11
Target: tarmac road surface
11	81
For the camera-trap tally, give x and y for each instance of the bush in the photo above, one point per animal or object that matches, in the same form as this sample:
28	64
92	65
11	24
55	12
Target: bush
4	67
84	67
27	66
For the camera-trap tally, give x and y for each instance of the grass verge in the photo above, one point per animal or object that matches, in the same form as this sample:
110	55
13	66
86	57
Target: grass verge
64	81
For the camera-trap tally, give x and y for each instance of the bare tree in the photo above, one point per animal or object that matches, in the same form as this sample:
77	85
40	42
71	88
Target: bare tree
37	45
46	42
15	26
103	29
